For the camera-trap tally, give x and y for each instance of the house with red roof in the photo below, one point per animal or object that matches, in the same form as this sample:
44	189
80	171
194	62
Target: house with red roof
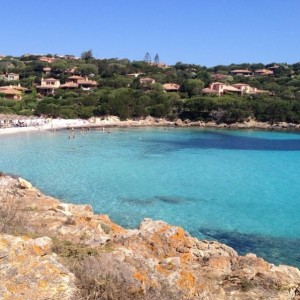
74	82
264	72
171	87
147	81
242	72
12	92
49	60
219	88
48	86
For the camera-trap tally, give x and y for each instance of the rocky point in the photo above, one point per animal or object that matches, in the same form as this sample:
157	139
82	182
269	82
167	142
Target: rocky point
154	257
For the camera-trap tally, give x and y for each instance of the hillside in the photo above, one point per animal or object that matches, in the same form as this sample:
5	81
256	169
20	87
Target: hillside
69	87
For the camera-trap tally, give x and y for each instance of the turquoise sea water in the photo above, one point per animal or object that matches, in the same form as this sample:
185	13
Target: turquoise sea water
239	187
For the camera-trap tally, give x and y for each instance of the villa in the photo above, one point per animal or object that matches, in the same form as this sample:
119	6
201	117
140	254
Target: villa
12	92
69	86
48	86
15	87
47	70
274	67
171	87
242	72
219	88
247	89
264	72
74	82
147	81
160	65
10	76
49	60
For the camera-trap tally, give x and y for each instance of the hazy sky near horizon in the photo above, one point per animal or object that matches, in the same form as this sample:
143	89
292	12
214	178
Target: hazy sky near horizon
191	31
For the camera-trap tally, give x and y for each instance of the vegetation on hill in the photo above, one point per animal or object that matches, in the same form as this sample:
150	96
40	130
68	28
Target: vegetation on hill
125	96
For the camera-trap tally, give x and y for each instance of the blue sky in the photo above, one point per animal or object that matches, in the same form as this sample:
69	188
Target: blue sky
192	31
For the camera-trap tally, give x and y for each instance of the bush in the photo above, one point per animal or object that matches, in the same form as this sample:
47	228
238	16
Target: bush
71	252
104	277
25	112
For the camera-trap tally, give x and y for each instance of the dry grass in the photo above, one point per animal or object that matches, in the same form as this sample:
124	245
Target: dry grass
105	277
102	277
12	218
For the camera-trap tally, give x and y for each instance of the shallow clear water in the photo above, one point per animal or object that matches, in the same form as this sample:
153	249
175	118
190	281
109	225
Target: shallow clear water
239	187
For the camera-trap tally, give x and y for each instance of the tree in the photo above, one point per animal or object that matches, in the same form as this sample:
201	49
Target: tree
87	69
205	77
147	58
193	86
87	55
59	66
156	59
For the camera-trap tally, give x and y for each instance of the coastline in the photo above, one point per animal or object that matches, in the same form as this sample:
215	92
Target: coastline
155	257
113	121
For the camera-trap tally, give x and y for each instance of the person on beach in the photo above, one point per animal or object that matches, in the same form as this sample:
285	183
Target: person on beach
71	133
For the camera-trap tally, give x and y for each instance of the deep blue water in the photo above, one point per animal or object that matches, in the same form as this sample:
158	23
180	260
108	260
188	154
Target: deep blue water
239	187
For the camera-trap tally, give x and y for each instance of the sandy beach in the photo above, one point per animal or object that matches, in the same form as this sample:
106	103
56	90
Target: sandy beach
113	121
54	124
110	121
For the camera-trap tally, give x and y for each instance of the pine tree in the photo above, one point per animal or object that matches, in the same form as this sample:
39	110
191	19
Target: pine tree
156	59
147	58
87	55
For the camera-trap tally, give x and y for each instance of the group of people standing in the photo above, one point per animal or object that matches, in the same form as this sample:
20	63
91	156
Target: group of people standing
72	133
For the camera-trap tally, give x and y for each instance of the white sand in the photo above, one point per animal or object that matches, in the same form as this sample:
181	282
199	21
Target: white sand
50	125
55	124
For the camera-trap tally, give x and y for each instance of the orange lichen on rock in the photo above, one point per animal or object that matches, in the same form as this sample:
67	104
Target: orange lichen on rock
179	235
162	270
142	277
186	281
27	273
185	258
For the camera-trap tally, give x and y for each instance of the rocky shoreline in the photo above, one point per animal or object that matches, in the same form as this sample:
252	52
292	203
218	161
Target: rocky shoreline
161	122
155	261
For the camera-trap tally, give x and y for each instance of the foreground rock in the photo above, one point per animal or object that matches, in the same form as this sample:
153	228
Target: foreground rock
29	271
156	261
